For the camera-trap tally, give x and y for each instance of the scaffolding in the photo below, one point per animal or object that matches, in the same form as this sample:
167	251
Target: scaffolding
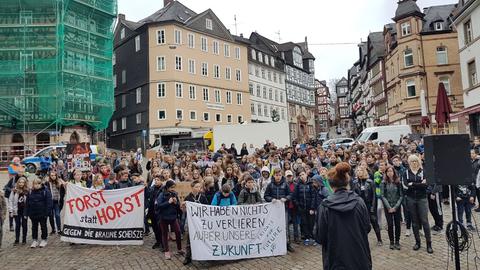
56	63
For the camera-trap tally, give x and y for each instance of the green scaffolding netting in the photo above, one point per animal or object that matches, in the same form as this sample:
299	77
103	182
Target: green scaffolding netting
56	63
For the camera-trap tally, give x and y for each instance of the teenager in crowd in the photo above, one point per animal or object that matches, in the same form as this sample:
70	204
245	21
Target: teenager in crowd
249	194
392	195
16	209
56	187
465	199
304	197
38	208
225	196
3	211
155	190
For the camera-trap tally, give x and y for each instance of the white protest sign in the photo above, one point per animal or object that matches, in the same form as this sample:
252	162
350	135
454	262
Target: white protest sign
236	232
106	217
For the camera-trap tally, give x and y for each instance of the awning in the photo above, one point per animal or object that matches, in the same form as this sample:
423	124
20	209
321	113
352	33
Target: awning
466	111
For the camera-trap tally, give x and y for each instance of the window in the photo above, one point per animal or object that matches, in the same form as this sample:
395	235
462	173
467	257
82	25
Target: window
472	74
205	94
114	125
161	63
192	92
204	69
218	117
162	115
263	74
239	99
124	76
259	110
137	43
228	73
138	118
257	72
297	57
191	66
269	75
270	94
204	44
468	34
122	33
208	24
446	82
250	88
229	118
216	71
161	36
218	98
438	26
265	110
406	29
237	53
252	109
114	80
124	100
272	61
138	95
265	92
206	116
408	57
240	119
178	90
229	97
193	115
238	75
161	90
124	123
275	77
281	97
191	40
260	57
215	47
258	91
179	114
226	49
266	59
178	63
442	56
276	95
114	59
177	36
411	92
283	114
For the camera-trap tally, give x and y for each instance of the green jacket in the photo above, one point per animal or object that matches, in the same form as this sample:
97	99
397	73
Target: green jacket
391	194
378	179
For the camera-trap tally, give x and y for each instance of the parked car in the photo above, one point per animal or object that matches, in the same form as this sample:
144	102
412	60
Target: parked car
322	137
339	142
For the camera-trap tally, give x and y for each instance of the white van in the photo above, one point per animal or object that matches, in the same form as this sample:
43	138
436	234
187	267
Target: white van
384	133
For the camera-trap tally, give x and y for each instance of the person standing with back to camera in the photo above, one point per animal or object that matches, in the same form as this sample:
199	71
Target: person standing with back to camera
343	249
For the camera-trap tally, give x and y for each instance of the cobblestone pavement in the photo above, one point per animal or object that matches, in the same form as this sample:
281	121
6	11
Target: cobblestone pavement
60	255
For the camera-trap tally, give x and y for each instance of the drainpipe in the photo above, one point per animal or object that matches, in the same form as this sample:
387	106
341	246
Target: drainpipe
426	84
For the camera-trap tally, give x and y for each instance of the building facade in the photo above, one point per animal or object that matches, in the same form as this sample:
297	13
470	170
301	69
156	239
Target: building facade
343	107
421	53
377	115
467	23
266	74
322	107
189	74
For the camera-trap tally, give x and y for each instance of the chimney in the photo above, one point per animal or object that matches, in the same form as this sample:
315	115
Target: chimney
121	17
166	2
306	43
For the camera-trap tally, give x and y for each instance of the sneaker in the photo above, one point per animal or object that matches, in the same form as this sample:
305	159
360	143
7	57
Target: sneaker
407	233
296	241
471	228
397	246
16	242
34	244
379	243
168	256
314	243
181	252
156	245
392	246
53	233
290	248
43	243
146	233
11	229
477	209
187	261
306	242
416	246
24	242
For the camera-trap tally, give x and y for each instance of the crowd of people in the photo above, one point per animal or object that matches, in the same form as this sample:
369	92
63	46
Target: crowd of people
378	181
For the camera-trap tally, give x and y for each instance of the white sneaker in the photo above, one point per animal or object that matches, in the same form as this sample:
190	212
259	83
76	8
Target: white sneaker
34	244
43	243
407	233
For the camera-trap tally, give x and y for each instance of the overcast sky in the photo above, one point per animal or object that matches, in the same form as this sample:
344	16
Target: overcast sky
323	22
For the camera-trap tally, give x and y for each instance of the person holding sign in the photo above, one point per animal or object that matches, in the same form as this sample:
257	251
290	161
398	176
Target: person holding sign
167	210
276	192
343	249
249	194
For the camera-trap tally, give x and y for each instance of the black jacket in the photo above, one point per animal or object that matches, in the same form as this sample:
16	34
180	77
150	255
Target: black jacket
344	248
153	195
165	210
417	190
475	169
304	195
464	191
39	203
210	193
365	188
277	191
200	198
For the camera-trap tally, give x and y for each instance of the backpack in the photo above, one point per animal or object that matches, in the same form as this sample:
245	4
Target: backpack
219	198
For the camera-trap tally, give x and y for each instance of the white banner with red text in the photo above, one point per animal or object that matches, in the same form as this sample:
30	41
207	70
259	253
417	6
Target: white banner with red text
236	232
105	217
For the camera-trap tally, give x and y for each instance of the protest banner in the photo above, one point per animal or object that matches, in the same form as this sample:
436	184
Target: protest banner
106	217
78	156
236	232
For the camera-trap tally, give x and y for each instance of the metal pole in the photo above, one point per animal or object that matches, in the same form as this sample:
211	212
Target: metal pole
455	228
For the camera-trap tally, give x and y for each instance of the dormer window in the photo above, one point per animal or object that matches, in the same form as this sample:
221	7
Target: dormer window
406	29
208	24
297	57
438	26
122	33
254	54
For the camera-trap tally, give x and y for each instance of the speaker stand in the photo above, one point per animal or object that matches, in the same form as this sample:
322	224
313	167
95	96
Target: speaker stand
455	227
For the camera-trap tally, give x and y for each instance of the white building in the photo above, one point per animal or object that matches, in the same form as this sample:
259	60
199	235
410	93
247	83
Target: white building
467	22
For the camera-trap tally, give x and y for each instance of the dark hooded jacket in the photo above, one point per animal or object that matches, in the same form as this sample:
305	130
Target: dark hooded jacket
344	248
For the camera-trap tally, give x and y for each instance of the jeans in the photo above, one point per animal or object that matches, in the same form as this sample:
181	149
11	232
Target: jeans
376	227
419	210
293	218
54	217
393	223
176	228
42	221
306	223
435	206
156	230
20	222
406	214
464	205
10	221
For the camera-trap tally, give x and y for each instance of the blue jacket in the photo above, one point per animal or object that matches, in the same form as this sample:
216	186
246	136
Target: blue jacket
39	203
277	191
304	195
165	210
220	200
